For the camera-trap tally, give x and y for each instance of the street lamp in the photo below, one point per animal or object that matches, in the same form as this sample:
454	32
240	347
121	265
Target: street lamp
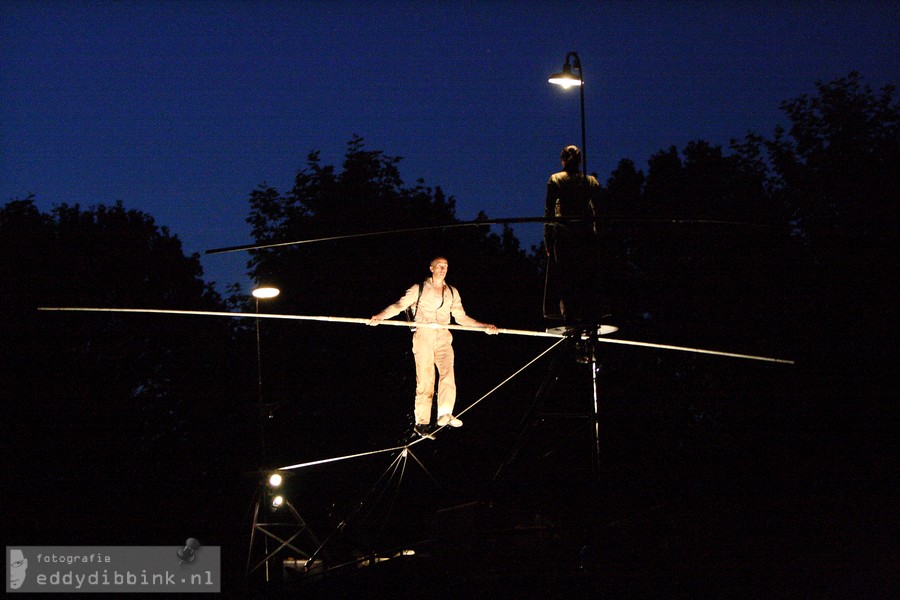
262	292
567	79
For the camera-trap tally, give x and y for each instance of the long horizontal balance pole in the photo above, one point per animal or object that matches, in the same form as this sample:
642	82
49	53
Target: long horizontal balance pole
360	321
240	315
481	222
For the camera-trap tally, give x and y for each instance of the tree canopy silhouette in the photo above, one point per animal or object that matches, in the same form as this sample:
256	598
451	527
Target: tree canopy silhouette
109	402
369	195
835	169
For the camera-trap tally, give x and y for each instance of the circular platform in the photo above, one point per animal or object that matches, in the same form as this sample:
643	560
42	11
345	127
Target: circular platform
583	331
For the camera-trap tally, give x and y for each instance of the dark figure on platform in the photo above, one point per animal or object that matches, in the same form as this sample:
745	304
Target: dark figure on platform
571	244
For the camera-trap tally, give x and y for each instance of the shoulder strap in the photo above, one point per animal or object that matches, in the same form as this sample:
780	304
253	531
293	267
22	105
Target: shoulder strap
411	312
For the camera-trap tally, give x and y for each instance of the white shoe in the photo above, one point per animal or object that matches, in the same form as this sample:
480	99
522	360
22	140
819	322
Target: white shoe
449	420
424	430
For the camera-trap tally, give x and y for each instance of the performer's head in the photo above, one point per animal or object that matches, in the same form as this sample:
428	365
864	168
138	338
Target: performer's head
438	266
571	158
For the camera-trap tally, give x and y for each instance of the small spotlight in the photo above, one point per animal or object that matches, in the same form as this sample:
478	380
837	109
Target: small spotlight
265	292
277	501
275	480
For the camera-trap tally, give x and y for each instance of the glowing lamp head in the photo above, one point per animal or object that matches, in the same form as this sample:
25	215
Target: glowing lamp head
265	292
275	480
565	83
277	501
566	79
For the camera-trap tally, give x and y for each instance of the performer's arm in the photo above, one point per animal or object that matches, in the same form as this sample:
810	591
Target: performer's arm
397	307
461	318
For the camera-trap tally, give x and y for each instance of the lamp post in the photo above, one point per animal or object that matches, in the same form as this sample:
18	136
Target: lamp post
268	497
566	79
262	292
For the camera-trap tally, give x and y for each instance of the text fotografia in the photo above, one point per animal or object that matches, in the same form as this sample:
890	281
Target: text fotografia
106	577
71	559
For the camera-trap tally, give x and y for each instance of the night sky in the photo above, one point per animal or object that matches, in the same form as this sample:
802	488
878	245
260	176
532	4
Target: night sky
181	109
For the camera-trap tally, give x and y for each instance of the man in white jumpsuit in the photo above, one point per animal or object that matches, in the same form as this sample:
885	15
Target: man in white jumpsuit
433	301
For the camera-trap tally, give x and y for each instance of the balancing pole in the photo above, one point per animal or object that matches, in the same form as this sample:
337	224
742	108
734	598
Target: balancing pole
555	333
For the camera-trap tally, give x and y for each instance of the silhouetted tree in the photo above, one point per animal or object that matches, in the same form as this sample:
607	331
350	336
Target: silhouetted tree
835	170
835	165
368	195
624	188
109	402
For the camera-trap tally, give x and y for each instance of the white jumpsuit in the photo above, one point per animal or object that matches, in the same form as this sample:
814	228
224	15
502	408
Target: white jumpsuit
433	347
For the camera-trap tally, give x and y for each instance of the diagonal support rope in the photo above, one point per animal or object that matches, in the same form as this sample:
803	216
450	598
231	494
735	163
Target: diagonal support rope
340	458
508	379
419	440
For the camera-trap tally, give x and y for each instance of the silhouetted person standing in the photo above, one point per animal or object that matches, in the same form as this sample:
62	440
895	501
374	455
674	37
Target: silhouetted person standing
571	245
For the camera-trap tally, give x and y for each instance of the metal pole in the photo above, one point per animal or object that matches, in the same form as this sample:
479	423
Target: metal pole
583	136
259	391
595	369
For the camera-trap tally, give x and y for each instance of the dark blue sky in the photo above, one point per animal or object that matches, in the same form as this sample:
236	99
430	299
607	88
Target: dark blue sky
181	109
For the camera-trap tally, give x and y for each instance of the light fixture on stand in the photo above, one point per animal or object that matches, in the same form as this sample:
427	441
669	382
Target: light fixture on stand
262	292
280	525
572	75
567	79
